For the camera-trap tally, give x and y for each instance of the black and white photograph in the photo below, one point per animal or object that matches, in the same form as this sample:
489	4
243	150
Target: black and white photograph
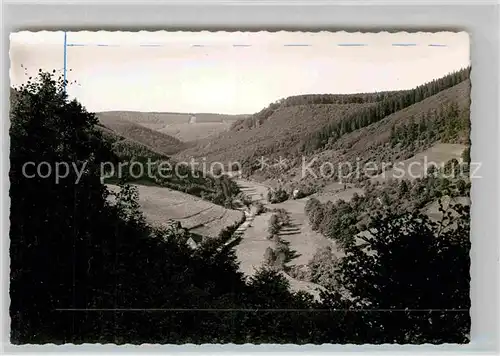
240	187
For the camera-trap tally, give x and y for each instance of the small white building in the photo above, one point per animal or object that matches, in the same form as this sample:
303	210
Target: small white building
194	241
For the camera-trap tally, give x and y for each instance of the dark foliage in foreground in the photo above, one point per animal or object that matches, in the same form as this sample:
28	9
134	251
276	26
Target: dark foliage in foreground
396	263
71	248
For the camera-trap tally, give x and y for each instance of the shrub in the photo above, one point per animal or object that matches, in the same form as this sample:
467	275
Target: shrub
269	257
259	208
277	196
274	226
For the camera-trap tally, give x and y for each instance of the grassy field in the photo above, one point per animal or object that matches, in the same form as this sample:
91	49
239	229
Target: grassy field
199	216
335	191
302	239
194	132
414	167
250	251
256	191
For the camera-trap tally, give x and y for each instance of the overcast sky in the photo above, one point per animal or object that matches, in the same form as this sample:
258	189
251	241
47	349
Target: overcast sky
232	73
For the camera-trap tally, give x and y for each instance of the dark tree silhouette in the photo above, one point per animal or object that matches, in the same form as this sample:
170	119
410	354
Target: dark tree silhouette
412	277
87	269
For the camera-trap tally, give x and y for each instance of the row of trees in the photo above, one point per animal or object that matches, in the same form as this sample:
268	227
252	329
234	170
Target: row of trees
390	101
342	220
219	190
376	112
277	221
280	254
450	124
84	269
281	132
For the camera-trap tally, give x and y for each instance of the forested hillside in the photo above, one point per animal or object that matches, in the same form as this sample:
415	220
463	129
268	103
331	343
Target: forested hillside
281	134
386	105
219	190
343	220
160	142
127	148
312	124
442	118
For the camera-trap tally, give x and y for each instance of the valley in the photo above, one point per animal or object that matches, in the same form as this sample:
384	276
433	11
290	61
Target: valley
408	129
236	187
184	127
302	240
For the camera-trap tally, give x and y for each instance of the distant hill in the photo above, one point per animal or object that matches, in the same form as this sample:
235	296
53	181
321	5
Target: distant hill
220	191
126	148
421	126
159	142
338	127
185	127
280	133
140	117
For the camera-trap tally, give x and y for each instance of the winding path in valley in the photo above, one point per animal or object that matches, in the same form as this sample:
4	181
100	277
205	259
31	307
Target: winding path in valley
303	240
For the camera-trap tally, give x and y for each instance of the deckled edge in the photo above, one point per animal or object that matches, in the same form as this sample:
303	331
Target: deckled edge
247	346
